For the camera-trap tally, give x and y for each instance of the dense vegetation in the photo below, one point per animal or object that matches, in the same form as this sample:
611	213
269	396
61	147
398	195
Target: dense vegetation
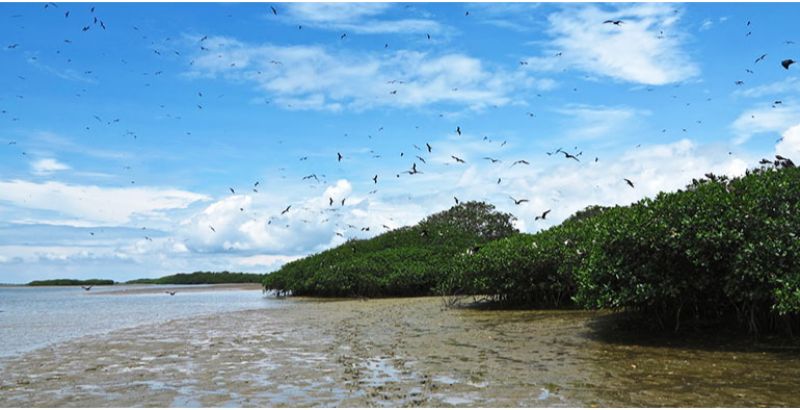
403	262
71	282
202	278
720	251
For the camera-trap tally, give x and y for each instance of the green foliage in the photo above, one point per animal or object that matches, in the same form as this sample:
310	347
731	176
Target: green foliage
202	278
719	249
71	282
722	250
403	262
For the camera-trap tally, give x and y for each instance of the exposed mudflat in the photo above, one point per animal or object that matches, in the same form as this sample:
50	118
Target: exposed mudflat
394	352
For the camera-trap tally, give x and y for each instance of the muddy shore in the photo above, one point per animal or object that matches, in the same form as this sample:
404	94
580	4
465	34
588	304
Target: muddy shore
393	352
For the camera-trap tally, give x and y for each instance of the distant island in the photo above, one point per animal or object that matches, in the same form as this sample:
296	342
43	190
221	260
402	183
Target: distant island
195	278
72	282
201	278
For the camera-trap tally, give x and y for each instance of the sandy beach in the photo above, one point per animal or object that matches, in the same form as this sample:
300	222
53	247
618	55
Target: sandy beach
391	352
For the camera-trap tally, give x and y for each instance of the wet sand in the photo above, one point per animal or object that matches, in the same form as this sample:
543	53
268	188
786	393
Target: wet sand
394	352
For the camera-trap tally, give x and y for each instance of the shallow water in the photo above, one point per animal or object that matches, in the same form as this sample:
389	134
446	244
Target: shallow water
33	317
401	352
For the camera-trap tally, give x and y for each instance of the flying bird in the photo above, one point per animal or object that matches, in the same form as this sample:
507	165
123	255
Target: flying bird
614	22
232	191
492	159
456	199
212	228
458	159
375	178
629	182
543	216
763	56
786	63
458	130
340	156
517	201
170	292
286	210
87	288
275	12
522	161
429	147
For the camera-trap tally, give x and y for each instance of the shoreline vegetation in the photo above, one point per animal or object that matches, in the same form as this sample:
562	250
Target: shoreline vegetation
195	278
721	252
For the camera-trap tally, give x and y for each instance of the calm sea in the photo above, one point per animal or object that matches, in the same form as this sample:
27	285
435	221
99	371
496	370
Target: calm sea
33	317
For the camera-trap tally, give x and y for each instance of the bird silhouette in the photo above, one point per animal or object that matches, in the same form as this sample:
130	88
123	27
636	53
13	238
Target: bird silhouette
614	22
275	12
212	228
429	147
788	62
286	210
340	156
458	159
543	216
87	288
375	178
517	201
458	130
456	199
761	58
494	160
522	161
171	292
629	182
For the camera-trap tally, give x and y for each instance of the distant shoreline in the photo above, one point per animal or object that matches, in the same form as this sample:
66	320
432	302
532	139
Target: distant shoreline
134	289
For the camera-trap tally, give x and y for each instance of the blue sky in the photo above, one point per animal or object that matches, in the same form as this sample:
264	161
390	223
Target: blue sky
119	145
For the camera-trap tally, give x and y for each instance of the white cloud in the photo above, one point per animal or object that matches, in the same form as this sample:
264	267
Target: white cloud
308	77
592	122
789	146
644	49
706	25
768	120
357	18
99	205
47	166
790	85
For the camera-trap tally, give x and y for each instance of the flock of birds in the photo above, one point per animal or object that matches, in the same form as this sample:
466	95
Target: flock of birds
95	22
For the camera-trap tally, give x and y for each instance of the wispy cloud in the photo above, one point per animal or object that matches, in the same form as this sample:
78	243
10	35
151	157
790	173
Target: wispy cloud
592	122
766	120
646	48
790	85
47	166
312	77
100	205
360	18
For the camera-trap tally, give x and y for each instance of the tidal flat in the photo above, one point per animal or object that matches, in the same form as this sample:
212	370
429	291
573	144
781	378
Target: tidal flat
398	352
